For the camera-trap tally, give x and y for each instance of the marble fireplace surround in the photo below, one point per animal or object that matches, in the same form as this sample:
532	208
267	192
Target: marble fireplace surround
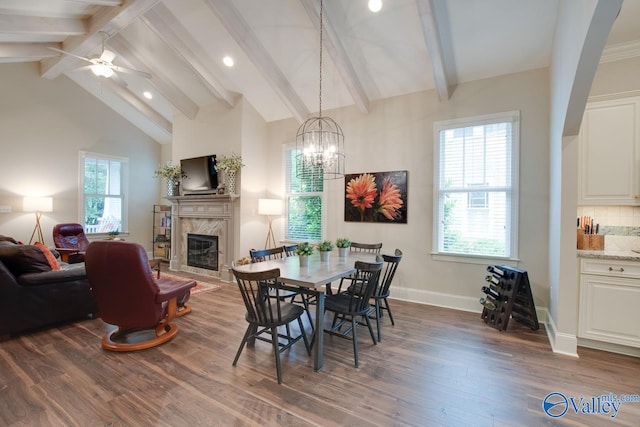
211	215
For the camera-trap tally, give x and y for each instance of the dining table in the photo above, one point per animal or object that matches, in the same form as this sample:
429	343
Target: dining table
313	280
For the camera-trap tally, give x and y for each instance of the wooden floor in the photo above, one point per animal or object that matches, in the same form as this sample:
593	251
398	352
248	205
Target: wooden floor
435	367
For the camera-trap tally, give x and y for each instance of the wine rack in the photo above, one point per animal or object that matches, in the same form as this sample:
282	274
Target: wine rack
508	294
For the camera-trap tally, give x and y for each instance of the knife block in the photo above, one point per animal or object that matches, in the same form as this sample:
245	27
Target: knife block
590	242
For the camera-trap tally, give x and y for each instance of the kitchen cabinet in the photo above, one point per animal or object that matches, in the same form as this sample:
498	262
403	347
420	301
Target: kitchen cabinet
609	153
610	301
162	232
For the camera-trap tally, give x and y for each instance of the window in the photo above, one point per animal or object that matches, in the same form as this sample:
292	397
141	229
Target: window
476	186
304	202
103	186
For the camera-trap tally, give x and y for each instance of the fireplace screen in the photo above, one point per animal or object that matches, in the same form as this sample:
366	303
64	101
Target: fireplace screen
202	251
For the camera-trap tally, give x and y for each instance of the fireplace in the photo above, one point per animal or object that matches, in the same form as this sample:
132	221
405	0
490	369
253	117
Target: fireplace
202	251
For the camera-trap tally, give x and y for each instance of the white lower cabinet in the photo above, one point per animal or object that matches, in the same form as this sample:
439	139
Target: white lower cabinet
610	301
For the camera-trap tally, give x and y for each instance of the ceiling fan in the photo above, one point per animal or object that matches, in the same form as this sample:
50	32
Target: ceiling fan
102	66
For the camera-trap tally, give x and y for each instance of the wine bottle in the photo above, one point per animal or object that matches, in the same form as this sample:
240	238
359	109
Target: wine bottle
493	280
492	293
488	303
495	270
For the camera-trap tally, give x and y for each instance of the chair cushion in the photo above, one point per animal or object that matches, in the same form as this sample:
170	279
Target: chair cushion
21	259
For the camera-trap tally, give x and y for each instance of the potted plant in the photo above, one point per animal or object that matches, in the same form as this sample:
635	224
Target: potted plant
113	234
304	250
325	247
343	246
230	166
172	173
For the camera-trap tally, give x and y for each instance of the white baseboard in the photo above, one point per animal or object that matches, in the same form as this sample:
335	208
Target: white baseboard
456	302
561	342
605	346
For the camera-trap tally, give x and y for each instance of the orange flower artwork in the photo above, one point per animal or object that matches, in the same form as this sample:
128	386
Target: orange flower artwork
366	202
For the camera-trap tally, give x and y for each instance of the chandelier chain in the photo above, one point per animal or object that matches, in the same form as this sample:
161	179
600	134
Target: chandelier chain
320	91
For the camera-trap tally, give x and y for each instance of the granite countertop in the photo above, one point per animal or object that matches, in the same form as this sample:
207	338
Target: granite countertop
609	254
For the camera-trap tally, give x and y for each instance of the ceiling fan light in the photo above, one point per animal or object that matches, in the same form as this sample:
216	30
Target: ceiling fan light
375	5
101	70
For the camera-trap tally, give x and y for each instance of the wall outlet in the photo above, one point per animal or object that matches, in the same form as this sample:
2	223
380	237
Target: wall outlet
5	209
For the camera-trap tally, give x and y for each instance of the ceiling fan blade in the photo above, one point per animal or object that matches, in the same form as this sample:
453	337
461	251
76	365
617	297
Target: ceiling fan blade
107	56
131	71
70	54
118	80
83	68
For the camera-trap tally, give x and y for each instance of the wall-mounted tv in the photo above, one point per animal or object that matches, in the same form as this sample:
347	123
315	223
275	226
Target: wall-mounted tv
201	175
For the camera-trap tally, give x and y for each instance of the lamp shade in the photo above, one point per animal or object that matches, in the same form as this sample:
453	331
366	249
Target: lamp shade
270	207
37	204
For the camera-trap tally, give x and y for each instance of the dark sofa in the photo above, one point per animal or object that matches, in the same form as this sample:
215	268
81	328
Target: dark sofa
33	296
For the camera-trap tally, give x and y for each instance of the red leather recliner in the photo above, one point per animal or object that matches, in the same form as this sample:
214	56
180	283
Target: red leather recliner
131	298
70	241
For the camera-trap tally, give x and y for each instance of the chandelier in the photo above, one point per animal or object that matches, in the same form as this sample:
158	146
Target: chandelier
320	141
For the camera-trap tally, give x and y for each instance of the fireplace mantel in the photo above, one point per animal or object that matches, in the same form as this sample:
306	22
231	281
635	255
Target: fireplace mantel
204	214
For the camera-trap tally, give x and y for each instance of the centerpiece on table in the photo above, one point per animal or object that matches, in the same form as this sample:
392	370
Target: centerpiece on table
304	251
325	247
343	245
230	166
172	173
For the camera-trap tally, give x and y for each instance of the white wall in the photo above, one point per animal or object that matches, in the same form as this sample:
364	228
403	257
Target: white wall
397	134
45	124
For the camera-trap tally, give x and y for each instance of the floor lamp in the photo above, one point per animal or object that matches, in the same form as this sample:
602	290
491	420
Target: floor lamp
37	205
270	207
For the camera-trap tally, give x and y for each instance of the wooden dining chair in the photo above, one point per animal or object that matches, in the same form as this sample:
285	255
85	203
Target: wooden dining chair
373	248
381	292
290	250
265	314
349	307
259	255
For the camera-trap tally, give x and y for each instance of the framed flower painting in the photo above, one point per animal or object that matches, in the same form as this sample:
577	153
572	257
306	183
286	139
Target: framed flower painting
376	197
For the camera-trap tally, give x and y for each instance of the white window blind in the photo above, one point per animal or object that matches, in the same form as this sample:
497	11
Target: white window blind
476	195
304	202
103	189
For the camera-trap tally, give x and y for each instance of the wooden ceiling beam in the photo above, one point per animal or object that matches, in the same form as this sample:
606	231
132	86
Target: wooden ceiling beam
431	34
244	36
159	82
109	20
162	22
38	25
338	53
27	51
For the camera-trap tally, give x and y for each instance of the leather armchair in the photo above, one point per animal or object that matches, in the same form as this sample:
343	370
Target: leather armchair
70	241
131	298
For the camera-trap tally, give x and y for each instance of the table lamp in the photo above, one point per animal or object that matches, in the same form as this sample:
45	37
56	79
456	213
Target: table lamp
37	205
270	207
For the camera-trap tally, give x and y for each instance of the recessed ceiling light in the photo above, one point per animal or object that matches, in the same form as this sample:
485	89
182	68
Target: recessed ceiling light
228	61
147	94
375	5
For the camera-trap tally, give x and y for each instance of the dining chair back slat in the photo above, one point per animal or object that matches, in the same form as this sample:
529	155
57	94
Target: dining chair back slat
373	248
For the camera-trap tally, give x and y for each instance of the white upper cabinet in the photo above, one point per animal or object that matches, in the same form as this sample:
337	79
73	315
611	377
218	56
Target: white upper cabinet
609	141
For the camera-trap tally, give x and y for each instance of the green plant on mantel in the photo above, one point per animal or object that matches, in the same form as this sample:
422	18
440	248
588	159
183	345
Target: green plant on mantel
170	171
304	249
343	242
231	163
325	246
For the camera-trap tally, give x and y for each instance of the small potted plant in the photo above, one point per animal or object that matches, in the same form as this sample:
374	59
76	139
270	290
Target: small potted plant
172	173
343	246
325	247
304	250
230	165
113	234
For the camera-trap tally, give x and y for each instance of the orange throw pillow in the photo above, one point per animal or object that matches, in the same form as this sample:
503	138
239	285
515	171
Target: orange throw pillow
53	262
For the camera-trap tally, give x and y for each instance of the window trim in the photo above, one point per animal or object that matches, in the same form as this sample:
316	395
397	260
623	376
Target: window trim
323	200
514	118
124	188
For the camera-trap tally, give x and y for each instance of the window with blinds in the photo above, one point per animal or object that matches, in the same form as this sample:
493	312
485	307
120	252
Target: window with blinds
304	201
476	197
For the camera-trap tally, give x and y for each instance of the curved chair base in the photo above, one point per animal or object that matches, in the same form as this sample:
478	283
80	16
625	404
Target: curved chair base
183	310
137	339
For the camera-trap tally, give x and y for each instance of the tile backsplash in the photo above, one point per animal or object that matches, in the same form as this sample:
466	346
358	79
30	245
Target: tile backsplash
619	224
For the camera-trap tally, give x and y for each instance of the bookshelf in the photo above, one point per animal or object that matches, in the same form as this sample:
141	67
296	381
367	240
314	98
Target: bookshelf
162	232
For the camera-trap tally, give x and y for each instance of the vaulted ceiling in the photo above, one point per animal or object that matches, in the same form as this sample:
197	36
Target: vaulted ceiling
408	46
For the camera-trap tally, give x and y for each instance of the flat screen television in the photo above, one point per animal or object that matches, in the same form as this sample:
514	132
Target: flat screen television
201	176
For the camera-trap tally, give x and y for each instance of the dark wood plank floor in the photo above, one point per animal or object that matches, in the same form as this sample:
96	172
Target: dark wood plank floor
435	367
